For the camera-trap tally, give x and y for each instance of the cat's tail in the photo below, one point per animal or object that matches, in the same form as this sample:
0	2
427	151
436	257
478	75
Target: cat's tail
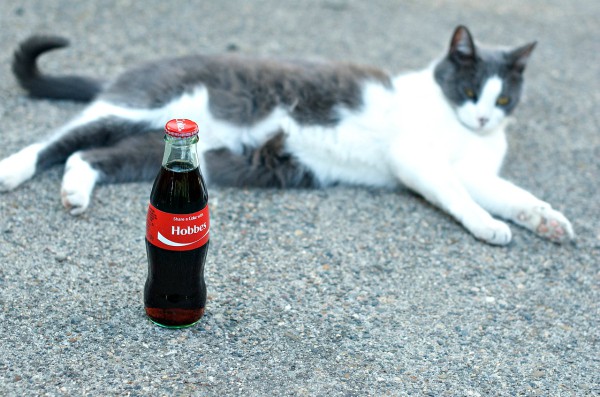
38	85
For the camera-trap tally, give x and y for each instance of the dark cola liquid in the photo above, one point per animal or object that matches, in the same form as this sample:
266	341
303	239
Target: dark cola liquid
175	292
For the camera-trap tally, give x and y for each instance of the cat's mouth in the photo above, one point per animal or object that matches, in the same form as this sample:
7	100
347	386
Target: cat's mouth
487	128
478	129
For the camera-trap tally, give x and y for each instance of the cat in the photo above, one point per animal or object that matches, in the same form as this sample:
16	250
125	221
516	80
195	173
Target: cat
439	131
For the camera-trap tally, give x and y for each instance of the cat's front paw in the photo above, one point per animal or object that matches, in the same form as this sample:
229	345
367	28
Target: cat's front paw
547	223
493	232
77	185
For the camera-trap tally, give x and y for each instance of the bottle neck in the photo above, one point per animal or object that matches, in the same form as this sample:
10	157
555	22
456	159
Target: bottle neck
181	154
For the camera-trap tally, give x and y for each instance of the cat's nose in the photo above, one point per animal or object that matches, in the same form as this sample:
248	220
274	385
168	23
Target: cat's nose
483	121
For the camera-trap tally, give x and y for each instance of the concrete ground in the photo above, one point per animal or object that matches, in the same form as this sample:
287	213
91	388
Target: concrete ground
340	292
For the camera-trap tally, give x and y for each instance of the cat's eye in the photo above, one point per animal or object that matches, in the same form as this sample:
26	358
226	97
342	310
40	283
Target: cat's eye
503	101
470	93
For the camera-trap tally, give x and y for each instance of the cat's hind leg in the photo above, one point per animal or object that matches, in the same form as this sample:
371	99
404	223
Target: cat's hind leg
78	135
135	158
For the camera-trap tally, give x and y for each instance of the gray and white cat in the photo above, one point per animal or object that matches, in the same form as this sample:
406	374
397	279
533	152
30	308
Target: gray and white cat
439	131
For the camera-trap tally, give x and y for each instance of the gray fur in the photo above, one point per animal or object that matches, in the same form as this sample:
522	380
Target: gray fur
268	166
122	161
467	66
244	90
25	68
103	133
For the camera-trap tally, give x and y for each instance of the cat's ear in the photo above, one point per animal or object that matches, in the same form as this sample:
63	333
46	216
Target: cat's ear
462	47
518	57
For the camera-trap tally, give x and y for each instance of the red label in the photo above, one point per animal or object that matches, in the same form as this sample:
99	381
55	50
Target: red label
177	232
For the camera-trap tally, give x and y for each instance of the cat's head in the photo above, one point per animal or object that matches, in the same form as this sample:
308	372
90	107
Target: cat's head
482	85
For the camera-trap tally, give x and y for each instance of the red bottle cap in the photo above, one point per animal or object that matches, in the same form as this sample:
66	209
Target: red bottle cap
181	128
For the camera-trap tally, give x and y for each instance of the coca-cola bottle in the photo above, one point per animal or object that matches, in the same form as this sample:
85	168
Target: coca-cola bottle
177	232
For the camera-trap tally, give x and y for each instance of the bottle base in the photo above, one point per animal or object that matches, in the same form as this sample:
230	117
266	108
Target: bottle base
174	318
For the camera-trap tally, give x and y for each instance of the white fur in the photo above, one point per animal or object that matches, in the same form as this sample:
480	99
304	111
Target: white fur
483	115
417	140
19	167
77	184
408	135
351	152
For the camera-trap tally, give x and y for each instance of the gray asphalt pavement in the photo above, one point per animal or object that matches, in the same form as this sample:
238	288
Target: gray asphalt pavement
340	292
